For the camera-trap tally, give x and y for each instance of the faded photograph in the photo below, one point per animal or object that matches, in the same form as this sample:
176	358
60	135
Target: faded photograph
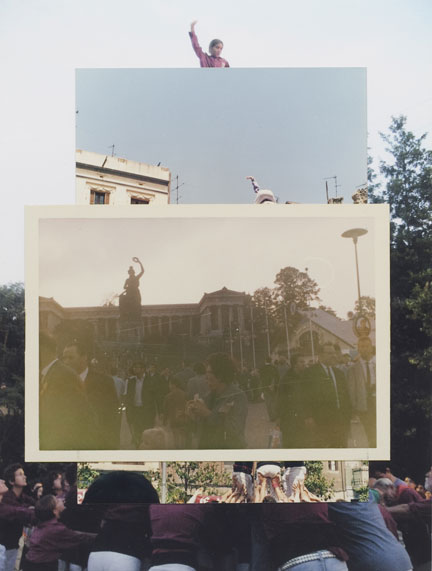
224	333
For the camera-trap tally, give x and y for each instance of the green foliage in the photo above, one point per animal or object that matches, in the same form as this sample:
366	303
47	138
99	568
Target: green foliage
316	482
362	493
184	478
11	374
407	187
86	475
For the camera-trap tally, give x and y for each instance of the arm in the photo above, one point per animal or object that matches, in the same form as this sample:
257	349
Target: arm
138	261
196	47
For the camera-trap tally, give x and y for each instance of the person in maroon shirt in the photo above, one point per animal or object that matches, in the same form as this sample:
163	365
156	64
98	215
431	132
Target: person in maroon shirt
50	538
215	49
303	533
10	514
11	531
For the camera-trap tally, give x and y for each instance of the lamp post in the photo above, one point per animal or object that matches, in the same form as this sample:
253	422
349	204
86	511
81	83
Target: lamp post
355	234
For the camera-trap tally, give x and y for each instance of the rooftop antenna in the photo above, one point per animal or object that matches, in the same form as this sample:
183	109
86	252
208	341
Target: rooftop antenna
176	188
336	184
112	151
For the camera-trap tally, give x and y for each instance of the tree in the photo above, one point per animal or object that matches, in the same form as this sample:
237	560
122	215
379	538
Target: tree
316	482
408	190
185	477
11	374
294	285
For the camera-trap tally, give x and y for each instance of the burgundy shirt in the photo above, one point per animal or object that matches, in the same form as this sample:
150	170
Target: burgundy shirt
297	529
50	538
11	530
206	60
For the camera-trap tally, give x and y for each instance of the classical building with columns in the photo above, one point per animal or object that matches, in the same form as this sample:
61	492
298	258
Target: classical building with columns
218	313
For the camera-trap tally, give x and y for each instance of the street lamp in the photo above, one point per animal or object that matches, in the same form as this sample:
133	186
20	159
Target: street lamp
355	234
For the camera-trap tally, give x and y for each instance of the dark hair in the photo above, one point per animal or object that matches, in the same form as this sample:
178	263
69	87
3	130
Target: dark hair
44	509
121	487
199	368
214	43
71	474
9	474
48	481
222	367
80	347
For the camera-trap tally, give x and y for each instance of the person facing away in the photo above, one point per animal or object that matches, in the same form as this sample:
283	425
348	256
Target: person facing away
215	49
51	537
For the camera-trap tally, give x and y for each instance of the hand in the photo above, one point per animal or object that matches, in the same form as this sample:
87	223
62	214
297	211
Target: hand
193	25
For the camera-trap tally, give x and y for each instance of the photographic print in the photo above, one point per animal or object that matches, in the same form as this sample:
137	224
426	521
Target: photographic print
182	332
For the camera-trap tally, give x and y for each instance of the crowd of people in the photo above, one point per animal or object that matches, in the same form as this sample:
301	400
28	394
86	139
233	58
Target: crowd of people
122	527
205	404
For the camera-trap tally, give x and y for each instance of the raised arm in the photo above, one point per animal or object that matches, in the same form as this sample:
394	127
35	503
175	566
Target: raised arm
138	261
197	48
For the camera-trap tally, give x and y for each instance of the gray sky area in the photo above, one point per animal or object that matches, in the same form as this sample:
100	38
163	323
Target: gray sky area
84	262
290	128
45	41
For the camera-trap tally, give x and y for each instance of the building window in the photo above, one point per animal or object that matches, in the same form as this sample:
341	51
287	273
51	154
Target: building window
333	466
135	200
99	197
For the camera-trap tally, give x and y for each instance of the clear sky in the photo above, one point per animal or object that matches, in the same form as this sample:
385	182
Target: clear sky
43	41
84	262
290	128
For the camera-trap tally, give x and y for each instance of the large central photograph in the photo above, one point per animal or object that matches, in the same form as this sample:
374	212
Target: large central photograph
187	330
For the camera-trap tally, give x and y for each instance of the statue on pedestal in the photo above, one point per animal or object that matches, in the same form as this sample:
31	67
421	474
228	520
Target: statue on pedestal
130	298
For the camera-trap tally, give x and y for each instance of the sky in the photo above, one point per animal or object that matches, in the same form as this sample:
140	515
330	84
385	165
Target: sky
290	128
84	262
44	41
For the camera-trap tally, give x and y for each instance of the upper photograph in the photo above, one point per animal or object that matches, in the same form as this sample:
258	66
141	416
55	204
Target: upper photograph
194	136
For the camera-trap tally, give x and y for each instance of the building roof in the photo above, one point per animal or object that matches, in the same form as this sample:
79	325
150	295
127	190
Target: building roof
338	327
121	167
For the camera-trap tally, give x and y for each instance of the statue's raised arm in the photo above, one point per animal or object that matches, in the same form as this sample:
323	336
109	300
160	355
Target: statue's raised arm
138	261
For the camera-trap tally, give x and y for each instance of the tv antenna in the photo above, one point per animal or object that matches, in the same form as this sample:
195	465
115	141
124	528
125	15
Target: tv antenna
336	185
176	188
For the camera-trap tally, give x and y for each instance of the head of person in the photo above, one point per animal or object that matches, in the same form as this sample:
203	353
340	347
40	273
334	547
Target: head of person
70	475
75	355
386	490
410	483
220	372
37	489
54	483
365	348
298	363
48	507
199	368
327	354
215	47
151	369
15	477
121	488
131	271
138	369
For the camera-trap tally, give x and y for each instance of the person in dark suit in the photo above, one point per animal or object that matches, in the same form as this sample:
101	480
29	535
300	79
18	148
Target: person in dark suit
325	401
140	403
65	419
101	394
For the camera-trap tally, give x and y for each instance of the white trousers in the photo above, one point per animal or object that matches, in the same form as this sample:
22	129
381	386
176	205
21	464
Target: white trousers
112	561
11	555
